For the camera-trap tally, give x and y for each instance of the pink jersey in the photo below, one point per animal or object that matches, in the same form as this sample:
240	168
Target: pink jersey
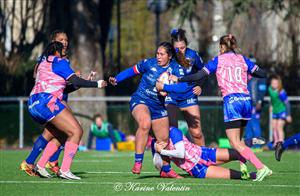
232	72
49	80
191	157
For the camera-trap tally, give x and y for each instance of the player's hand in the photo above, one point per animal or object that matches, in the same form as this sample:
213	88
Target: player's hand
113	81
197	90
92	75
173	78
159	85
78	73
159	146
101	83
289	119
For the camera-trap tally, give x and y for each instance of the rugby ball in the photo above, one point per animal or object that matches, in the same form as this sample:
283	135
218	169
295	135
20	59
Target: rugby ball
157	161
164	78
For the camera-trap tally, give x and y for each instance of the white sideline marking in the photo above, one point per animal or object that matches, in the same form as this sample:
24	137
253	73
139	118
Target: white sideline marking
117	172
92	161
255	185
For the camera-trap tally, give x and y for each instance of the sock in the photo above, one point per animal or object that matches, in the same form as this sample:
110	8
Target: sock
166	168
139	157
70	151
253	175
250	156
235	155
50	149
37	148
54	157
294	140
235	174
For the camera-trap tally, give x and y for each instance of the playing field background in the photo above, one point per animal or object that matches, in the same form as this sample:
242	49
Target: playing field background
108	173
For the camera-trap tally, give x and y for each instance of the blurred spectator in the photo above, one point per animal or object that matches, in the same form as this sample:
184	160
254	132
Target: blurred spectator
103	129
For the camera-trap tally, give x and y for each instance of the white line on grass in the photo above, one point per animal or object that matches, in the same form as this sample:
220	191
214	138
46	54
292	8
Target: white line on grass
183	184
93	161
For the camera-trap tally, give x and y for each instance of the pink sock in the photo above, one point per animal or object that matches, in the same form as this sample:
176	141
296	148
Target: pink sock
250	156
50	149
70	151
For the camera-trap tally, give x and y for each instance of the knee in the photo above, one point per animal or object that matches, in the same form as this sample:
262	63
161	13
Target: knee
75	132
145	126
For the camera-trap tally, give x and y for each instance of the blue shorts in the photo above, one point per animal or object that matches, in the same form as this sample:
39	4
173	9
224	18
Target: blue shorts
182	103
237	106
281	115
209	156
157	110
43	107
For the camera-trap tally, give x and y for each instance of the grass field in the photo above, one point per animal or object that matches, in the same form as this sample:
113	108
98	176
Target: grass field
108	173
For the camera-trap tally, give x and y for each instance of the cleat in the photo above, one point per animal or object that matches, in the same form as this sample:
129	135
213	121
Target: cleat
27	168
137	168
53	167
67	175
170	174
258	140
244	170
262	173
278	151
42	172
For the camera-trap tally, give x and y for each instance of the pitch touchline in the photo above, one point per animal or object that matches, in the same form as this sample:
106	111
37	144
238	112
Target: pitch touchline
112	183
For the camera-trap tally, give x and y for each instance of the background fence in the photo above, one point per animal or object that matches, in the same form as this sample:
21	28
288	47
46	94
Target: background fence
18	129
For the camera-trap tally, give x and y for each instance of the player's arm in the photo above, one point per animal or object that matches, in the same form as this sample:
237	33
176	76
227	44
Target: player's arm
176	137
175	88
127	73
255	70
284	98
209	68
63	69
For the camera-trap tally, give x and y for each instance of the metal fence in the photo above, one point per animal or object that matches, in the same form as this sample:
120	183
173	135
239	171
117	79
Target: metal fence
206	103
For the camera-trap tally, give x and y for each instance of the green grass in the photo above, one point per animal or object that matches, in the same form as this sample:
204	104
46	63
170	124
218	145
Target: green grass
101	171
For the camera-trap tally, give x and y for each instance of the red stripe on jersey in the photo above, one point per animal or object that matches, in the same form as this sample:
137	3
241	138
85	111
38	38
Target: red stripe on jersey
135	69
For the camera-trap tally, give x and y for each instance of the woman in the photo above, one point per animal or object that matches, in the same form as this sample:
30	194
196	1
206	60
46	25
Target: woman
147	105
45	106
187	102
281	110
43	139
231	70
200	162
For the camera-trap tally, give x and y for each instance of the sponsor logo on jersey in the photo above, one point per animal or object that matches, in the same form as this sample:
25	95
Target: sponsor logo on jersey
234	99
154	69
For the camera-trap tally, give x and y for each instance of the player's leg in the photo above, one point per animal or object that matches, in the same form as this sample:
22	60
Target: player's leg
233	134
39	145
67	123
275	131
279	144
141	114
192	117
224	173
172	113
160	129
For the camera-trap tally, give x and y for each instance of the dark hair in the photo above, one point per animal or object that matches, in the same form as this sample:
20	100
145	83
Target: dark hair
55	33
97	116
169	48
229	42
178	35
50	49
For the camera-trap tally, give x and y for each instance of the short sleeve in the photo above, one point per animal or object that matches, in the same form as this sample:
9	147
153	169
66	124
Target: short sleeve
211	66
62	68
250	64
175	135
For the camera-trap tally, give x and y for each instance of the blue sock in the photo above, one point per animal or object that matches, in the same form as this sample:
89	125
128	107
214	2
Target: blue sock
38	146
294	140
166	168
56	154
139	157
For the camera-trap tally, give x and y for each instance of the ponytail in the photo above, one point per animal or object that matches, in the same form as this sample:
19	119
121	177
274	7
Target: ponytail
230	43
